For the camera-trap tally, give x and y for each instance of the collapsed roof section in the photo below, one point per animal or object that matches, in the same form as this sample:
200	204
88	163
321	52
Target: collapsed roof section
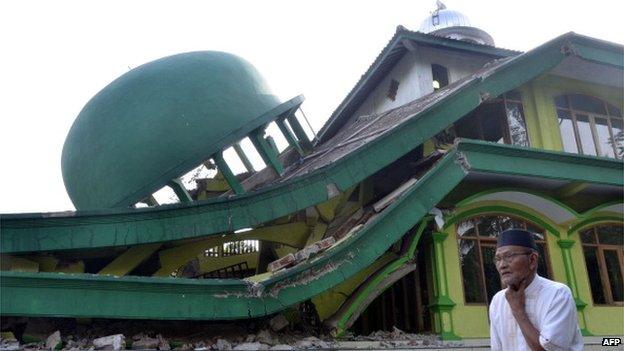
51	294
365	147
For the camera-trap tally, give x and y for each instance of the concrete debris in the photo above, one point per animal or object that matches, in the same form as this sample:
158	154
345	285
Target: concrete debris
278	322
325	243
33	346
281	347
268	334
264	336
311	342
283	262
145	343
75	345
223	345
53	340
314	249
301	255
8	341
305	253
112	342
9	345
251	346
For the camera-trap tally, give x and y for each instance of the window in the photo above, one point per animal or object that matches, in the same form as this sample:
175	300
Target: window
440	76
590	126
500	120
392	89
477	245
603	248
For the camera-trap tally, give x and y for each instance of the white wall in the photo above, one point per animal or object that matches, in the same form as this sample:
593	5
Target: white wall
413	72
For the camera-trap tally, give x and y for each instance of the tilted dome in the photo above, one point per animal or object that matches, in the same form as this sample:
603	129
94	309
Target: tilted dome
157	122
455	25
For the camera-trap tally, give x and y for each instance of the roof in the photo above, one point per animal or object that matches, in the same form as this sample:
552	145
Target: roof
385	61
343	161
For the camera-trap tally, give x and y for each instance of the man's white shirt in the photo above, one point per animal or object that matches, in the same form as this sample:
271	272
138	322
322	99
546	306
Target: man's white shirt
550	308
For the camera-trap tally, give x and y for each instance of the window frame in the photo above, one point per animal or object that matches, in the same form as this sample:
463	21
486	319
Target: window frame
605	282
505	100
489	241
591	116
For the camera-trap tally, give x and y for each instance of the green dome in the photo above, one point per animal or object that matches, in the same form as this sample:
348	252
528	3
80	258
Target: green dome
157	122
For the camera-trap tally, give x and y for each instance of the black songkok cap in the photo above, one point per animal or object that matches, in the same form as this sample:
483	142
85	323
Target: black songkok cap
517	237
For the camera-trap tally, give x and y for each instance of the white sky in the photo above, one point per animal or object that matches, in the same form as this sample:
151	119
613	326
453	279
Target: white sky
55	55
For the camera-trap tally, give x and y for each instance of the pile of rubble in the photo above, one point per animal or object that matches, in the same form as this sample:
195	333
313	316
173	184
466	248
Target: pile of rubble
273	334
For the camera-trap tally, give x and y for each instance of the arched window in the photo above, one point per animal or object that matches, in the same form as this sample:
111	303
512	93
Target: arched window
590	126
477	245
603	248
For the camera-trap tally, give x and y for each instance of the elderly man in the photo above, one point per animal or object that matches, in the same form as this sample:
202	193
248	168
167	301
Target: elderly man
532	313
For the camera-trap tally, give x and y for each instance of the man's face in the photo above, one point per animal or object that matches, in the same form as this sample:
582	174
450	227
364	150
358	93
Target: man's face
515	264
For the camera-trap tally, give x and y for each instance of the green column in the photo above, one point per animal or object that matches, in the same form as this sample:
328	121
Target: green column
443	304
243	157
269	155
180	190
227	173
566	246
292	141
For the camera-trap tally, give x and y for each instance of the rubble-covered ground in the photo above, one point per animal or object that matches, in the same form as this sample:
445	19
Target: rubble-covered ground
270	334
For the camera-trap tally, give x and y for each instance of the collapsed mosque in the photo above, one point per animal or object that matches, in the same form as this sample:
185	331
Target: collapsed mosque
387	217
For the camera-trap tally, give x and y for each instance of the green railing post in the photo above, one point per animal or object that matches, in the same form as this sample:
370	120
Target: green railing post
227	173
292	141
566	246
443	304
243	157
304	141
266	151
180	190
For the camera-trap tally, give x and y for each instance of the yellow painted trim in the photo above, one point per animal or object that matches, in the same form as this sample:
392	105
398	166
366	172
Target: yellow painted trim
130	259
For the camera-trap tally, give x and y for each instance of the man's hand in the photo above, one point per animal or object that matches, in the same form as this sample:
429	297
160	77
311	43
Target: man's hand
515	298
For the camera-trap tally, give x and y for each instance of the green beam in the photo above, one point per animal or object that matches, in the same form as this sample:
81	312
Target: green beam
179	189
267	152
243	157
227	173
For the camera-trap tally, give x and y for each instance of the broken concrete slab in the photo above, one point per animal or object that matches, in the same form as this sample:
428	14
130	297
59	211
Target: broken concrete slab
145	343
314	249
283	262
53	340
251	346
278	322
223	345
112	342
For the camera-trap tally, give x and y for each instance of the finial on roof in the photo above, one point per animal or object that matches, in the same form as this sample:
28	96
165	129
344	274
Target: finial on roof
453	24
440	5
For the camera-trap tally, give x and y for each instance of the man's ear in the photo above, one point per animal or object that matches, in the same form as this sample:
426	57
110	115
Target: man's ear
533	260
